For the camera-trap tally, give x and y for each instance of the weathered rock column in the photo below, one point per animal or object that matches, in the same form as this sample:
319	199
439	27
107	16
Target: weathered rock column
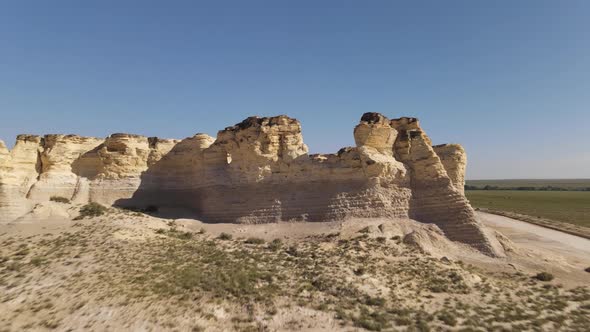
19	170
434	197
454	160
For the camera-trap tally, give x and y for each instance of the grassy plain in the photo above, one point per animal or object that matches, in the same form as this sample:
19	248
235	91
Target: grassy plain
566	206
569	184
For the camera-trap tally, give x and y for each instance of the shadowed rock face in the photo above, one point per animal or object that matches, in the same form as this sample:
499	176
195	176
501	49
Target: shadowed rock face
257	171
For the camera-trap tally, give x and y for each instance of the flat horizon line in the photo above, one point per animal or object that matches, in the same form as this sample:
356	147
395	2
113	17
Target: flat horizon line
500	179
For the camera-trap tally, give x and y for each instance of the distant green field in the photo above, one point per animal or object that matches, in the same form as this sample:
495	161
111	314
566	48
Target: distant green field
567	184
568	206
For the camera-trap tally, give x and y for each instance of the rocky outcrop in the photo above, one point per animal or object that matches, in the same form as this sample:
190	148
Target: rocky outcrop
435	196
257	171
56	156
19	170
454	160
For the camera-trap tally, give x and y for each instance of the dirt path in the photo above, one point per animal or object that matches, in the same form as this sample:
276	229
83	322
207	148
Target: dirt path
536	237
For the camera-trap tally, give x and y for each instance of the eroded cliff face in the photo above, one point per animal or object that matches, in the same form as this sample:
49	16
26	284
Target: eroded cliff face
19	170
436	196
454	160
254	172
57	154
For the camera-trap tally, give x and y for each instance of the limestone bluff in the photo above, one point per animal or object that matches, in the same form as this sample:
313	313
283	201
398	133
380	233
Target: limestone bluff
257	171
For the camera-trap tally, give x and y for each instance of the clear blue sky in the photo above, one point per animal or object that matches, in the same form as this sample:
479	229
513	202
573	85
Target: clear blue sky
510	80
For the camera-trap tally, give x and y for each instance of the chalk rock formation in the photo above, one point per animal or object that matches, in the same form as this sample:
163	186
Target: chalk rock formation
435	196
19	170
56	156
454	160
259	171
254	172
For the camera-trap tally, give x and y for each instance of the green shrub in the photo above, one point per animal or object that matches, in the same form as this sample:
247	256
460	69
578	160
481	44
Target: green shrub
37	261
183	235
173	232
447	318
544	276
275	244
375	301
92	210
372	321
254	240
403	320
340	314
225	236
59	199
365	230
292	250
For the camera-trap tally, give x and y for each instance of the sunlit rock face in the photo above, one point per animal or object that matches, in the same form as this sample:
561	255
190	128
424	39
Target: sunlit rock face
454	160
437	197
19	170
56	156
257	171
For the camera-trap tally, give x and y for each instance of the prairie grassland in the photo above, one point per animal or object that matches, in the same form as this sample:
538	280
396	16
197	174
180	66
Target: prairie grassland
563	206
566	184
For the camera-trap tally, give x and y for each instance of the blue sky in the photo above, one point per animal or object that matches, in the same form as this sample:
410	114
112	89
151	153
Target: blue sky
510	80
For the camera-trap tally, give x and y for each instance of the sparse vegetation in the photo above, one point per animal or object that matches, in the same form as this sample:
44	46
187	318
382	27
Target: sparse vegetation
254	240
372	321
359	271
92	210
544	276
275	244
175	233
363	282
180	234
37	261
447	318
530	184
292	250
562	206
225	236
59	199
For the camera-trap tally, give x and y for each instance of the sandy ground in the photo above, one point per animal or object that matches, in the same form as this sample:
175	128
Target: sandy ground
131	271
538	248
534	236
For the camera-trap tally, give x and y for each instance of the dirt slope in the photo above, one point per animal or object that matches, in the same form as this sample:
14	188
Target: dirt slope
130	271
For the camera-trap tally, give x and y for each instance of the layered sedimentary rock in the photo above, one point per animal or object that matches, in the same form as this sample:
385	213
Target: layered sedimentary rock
56	157
436	197
454	160
260	171
19	170
256	171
